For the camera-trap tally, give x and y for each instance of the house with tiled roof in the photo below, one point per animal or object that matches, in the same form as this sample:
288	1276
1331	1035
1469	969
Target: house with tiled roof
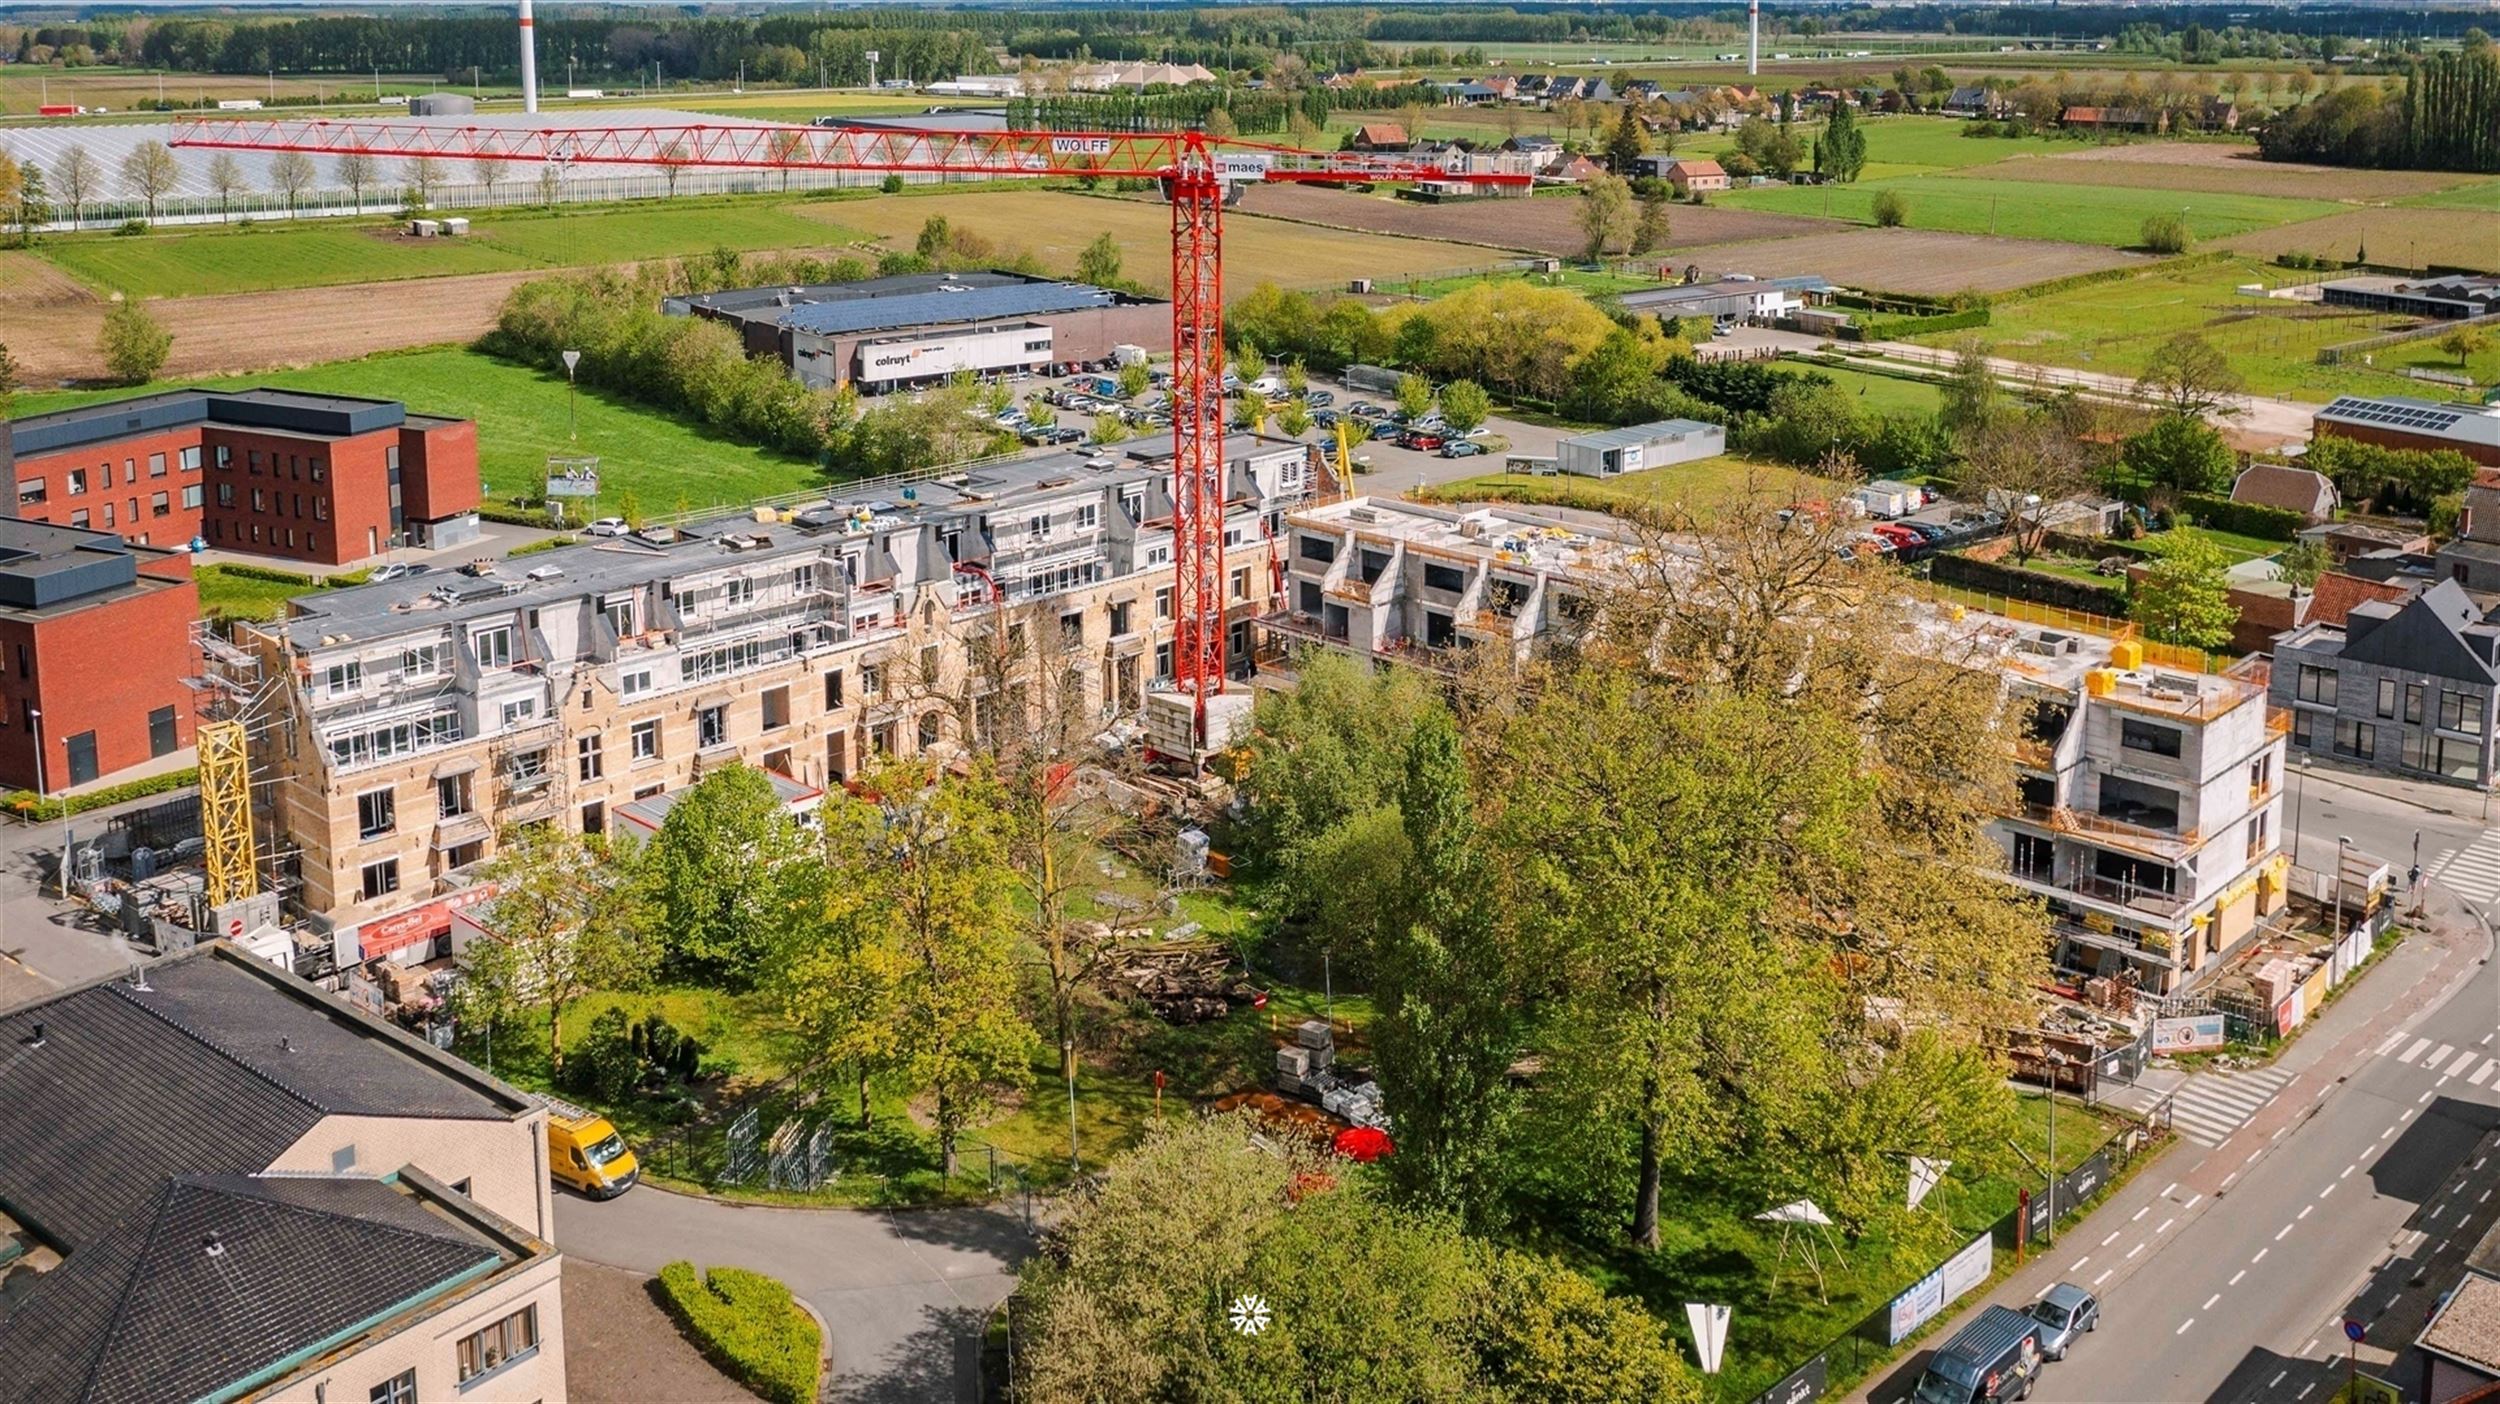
1379	136
218	1181
2110	119
2303	490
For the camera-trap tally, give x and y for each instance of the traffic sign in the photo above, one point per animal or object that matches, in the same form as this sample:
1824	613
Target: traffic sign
2352	1330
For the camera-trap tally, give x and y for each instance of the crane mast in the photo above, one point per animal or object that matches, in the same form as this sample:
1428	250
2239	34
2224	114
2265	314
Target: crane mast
1194	171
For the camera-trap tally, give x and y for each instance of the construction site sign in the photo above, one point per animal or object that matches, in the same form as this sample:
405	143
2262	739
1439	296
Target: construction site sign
2190	1034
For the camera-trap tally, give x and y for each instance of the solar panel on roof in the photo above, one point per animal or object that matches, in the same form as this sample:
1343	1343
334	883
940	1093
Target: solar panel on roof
868	314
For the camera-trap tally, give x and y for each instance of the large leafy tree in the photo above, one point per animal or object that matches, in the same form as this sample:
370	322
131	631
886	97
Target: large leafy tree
563	923
2184	597
730	876
2181	453
2188	375
1842	147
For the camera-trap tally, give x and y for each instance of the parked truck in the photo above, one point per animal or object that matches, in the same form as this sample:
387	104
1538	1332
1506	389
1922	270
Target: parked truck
585	1152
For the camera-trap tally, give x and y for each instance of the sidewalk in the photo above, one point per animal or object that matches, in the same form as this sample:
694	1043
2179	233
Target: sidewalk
2402	988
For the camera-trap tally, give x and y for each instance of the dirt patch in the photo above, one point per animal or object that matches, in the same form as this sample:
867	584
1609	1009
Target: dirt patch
1547	225
2412	237
2220	170
56	340
1914	260
621	1348
29	282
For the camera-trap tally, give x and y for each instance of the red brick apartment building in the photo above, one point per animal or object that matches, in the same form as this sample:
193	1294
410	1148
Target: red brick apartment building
327	479
95	642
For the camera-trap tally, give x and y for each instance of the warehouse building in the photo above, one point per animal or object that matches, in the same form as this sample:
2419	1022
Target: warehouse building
1612	452
2402	422
95	642
2446	299
328	479
917	329
1729	299
425	719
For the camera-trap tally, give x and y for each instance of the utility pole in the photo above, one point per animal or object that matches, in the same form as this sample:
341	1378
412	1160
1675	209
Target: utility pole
571	426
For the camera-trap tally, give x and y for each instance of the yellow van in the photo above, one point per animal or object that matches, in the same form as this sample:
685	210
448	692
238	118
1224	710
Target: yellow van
585	1151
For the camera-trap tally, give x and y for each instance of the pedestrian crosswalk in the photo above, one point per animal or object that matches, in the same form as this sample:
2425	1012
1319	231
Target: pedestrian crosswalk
2472	872
2477	1064
2209	1106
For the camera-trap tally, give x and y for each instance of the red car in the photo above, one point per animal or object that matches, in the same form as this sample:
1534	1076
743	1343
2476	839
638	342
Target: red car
1902	538
1422	443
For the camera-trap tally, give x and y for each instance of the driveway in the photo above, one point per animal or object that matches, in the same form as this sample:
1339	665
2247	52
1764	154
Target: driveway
903	1294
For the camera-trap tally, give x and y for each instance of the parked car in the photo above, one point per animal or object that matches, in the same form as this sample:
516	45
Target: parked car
607	526
1365	409
1318	399
1063	434
1422	442
1930	532
399	570
1902	538
1995	1358
1326	419
2064	1312
1383	429
1461	448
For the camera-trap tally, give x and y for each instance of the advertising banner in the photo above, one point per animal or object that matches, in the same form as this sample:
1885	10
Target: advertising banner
1969	1268
1803	1385
1911	1309
2081	1183
2187	1035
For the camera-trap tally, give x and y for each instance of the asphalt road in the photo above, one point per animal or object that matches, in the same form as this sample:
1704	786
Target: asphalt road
2226	1271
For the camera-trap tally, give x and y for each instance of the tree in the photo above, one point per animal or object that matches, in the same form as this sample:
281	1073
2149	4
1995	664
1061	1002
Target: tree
2188	375
1605	214
2184	597
673	160
1414	396
356	170
2301	563
12	376
1651	231
1250	410
1133	380
1110	429
550	183
2024	465
423	175
729	877
1969	397
1220	125
785	147
1249	363
292	174
225	176
1891	209
562	924
1464	404
1771	146
77	177
1293	419
935	236
31	209
12	188
933	862
2179	453
133	344
150	172
1098	262
2464	342
1297	379
1626	142
1842	148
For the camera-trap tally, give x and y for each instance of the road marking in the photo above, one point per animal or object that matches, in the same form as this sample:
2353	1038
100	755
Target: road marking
2252	1156
2304	1390
2313	1344
2133	1251
2392	1040
2209	1302
2165	1227
2227	1179
2261	1256
2173	1189
2235	1278
2183	1326
2140	1213
2079	1262
2390	1131
2483	1073
2286	1232
2464	1060
2486	1194
2305	1211
2113	1237
2330	1189
2104	1277
2348	1170
2191	1201
2278	1378
2434	1060
2414	1052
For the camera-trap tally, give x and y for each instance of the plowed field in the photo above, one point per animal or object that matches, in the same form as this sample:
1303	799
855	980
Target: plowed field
1546	225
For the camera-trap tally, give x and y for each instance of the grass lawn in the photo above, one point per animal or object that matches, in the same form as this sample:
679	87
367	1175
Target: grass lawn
1581	280
226	595
294	254
1713	1250
2236	546
2481	194
2273	344
1700	485
521	420
1883	394
2080	214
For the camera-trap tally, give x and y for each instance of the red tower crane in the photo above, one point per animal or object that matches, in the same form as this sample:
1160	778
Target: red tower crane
1197	174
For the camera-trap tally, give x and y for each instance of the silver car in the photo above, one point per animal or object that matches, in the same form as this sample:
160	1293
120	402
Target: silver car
2064	1312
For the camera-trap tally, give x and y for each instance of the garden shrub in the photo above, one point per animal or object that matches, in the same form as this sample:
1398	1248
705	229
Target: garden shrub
25	802
2244	518
749	1325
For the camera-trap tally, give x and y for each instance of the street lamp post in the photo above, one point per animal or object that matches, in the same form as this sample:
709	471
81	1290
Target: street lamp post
2056	1060
2299	773
2341	843
571	359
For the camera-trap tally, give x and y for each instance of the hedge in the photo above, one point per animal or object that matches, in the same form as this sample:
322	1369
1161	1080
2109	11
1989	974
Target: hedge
271	574
25	803
2245	518
749	1325
1895	328
2039	587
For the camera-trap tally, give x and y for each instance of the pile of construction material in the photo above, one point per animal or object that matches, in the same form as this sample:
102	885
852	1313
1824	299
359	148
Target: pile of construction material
1184	983
1307	1068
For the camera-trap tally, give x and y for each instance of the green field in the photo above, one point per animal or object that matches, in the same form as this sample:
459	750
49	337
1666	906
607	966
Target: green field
265	256
521	420
2480	195
1884	394
2272	344
2079	214
1700	485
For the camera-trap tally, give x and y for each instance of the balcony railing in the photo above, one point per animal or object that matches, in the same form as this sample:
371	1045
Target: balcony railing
2117	833
2147	901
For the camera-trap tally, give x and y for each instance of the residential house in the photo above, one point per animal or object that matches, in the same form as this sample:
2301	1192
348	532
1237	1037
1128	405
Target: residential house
1690	175
2347	541
2472	559
2410	687
2303	490
219	1182
1379	136
1578	169
2214	114
2150	797
2459	1346
1541	153
1976	101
